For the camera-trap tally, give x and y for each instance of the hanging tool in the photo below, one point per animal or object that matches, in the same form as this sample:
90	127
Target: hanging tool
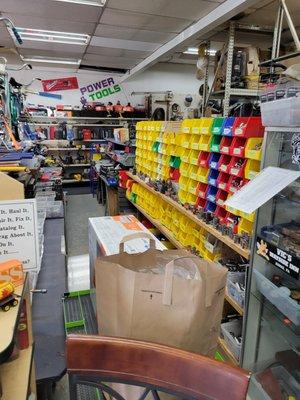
10	26
8	129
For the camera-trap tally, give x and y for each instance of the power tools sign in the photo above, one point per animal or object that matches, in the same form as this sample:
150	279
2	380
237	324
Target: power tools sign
98	90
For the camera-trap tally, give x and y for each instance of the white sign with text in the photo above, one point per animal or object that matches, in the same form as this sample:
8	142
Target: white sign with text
19	232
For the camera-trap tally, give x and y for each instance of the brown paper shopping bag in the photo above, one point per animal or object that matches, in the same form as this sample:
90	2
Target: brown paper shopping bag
169	297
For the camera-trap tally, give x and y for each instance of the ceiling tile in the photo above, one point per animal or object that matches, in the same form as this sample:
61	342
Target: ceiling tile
27	21
124	44
52	10
143	21
108	51
144	35
189	9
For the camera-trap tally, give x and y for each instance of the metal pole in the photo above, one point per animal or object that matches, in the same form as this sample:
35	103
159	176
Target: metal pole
205	92
291	24
277	33
229	69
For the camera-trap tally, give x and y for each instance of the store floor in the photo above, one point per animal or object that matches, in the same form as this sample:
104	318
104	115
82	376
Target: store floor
80	207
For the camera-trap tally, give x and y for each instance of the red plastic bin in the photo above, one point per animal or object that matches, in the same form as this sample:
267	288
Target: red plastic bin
174	174
225	144
237	166
223	165
248	127
221	197
203	159
237	148
232	221
235	183
223	180
202	190
200	203
221	213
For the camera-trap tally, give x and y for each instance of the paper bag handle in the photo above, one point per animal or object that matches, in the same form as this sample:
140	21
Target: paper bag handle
138	235
168	284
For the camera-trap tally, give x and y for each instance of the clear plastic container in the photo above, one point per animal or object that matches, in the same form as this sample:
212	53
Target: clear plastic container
289	307
285	380
233	290
236	328
283	112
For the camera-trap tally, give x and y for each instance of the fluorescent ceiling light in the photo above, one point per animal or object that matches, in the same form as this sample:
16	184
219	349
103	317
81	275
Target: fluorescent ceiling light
99	3
194	50
41	35
68	61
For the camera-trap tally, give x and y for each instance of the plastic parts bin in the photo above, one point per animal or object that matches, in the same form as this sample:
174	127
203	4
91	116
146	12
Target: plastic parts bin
196	127
237	166
214	160
245	226
174	174
289	307
175	162
185	157
223	180
216	128
215	143
193	186
183	183
253	148
203	174
184	169
204	143
203	159
235	183
194	155
248	127
221	213
233	290
206	125
210	206
221	197
213	177
225	145
252	169
224	163
236	328
202	190
201	203
237	147
211	194
227	126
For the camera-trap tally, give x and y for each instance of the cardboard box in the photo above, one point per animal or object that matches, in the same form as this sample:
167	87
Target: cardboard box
12	271
105	234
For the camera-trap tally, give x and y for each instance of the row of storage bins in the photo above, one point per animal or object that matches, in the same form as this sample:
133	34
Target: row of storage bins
183	229
234	146
226	126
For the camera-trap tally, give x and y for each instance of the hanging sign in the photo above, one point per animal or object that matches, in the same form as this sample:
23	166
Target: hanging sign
98	90
19	232
55	85
282	259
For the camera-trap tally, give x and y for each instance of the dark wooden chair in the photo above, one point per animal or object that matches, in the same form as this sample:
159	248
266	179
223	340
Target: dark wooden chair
97	360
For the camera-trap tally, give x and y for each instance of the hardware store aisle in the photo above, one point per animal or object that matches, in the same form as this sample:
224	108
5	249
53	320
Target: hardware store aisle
80	208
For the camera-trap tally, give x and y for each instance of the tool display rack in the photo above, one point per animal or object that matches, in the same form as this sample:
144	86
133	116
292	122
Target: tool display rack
272	324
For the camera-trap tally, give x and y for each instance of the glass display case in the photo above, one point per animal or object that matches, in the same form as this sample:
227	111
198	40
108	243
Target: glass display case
272	325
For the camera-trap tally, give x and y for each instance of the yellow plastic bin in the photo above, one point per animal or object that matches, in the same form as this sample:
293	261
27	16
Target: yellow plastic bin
185	157
183	183
245	226
253	148
203	174
194	155
191	199
197	125
206	126
252	169
204	143
195	142
184	169
193	186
